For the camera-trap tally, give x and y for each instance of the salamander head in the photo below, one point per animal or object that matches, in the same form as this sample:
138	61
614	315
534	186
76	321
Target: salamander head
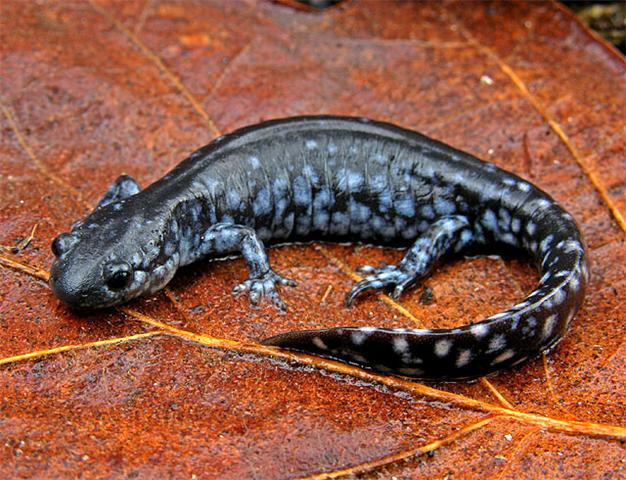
109	258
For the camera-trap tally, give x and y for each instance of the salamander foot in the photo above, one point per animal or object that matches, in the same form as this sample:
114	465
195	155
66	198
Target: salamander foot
385	277
265	286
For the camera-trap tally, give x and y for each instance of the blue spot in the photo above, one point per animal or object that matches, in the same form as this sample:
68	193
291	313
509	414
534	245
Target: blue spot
466	236
320	220
359	212
443	206
378	183
311	144
309	172
384	201
322	199
380	159
490	221
339	223
405	207
261	204
355	180
505	219
288	221
232	199
427	211
255	162
301	191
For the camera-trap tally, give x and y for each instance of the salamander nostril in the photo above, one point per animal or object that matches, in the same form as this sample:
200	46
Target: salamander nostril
62	244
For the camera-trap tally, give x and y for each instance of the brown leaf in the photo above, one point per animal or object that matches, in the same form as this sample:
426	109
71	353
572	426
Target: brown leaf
177	385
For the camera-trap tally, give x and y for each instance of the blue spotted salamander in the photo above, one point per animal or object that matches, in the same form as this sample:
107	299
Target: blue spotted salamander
326	177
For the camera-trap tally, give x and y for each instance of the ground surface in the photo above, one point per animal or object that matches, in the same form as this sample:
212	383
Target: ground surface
177	384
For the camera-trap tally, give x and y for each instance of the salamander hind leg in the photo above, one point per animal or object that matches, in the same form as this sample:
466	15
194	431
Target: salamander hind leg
444	235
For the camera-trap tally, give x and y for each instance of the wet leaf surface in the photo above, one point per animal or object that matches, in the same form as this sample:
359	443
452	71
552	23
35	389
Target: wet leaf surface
177	384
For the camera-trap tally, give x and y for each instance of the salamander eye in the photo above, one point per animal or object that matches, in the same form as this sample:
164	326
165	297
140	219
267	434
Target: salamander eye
118	277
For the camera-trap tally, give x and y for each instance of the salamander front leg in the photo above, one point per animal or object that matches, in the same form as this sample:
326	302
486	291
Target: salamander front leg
125	186
121	189
262	282
444	235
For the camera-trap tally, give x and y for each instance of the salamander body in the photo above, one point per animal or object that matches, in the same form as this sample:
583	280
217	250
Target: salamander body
336	178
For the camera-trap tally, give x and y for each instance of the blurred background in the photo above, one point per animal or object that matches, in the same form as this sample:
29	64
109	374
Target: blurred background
606	18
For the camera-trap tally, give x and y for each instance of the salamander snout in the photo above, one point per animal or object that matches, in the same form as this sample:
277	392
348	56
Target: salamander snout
69	285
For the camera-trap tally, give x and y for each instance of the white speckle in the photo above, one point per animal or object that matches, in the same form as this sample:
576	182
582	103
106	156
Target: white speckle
509	181
254	161
574	283
444	206
508	238
542	204
463	358
489	220
486	80
548	326
427	211
498	342
332	148
506	355
359	336
490	152
571	246
558	296
400	345
508	437
319	343
545	243
368	329
479	330
311	144
380	159
442	347
523	186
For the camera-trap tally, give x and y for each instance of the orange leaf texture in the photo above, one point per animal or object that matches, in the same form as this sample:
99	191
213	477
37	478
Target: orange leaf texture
177	384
